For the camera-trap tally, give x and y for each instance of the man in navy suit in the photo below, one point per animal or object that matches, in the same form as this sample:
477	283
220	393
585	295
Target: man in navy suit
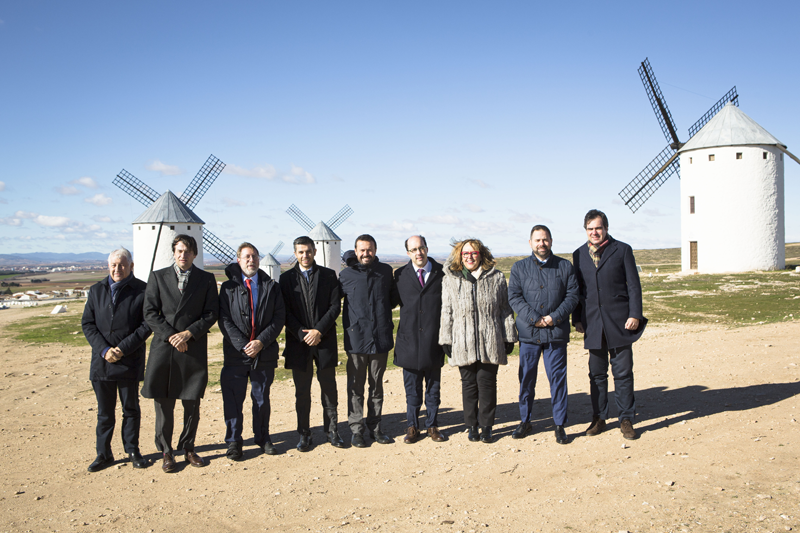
609	314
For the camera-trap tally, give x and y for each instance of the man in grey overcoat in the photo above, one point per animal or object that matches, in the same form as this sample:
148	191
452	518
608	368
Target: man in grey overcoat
180	306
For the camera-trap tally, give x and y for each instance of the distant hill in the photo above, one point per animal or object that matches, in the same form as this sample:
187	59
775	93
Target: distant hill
50	258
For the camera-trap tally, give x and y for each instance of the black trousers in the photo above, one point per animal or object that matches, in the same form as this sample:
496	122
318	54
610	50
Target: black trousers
479	393
329	396
165	423
233	382
106	393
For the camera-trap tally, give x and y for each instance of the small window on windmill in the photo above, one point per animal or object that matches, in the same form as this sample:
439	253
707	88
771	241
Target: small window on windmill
765	155
152	227
781	157
710	157
172	227
690	160
738	155
140	228
691	205
188	227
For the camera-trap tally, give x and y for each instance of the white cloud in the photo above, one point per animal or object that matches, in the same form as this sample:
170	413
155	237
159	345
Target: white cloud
51	221
2	185
25	214
299	175
3	201
528	218
86	181
474	208
10	221
98	199
101	235
67	190
394	226
265	172
94	227
101	218
230	202
441	219
163	168
480	183
337	179
655	212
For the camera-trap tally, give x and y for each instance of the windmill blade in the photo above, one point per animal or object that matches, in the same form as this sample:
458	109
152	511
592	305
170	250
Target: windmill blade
292	261
651	178
202	181
135	187
278	248
337	219
730	96
300	217
217	247
659	104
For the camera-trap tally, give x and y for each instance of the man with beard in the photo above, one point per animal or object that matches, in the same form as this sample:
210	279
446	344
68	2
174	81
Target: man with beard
251	316
311	295
543	291
610	317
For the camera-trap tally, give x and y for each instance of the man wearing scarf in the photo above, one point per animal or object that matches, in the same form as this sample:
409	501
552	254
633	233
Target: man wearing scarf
609	314
114	326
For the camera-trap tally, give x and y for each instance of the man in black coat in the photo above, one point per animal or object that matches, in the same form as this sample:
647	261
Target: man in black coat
417	349
251	316
311	295
114	326
369	296
609	314
180	306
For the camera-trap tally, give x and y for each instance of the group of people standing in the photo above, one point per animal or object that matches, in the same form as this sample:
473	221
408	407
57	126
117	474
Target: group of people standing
462	312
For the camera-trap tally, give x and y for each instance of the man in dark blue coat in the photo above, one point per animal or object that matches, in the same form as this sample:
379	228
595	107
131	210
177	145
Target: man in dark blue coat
417	350
609	314
311	295
543	291
369	296
113	323
251	316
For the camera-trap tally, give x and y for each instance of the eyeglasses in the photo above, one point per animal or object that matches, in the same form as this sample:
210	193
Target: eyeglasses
470	254
415	250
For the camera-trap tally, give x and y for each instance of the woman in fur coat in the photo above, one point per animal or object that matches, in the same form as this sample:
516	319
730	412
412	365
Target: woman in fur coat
477	330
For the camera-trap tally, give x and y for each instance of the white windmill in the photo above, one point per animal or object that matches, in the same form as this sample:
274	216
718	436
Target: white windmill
327	243
167	216
270	264
732	169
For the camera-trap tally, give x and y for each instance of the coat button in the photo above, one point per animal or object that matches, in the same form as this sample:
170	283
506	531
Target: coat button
541	286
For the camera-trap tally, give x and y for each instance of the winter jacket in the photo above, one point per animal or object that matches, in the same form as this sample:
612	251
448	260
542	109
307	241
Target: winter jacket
417	346
477	321
536	290
369	296
235	319
327	305
121	324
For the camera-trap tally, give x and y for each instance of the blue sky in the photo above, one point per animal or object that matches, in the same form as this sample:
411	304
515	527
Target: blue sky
441	118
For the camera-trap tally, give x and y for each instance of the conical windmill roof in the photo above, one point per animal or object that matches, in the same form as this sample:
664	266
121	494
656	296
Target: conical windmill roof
269	260
323	233
168	209
730	127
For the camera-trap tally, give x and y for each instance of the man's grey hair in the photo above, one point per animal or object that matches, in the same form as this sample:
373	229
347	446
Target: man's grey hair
121	252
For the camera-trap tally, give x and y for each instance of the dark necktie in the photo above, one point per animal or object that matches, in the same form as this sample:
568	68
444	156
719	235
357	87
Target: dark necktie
252	311
421	273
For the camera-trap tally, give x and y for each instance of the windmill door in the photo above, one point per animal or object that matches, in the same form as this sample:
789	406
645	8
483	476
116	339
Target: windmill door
693	255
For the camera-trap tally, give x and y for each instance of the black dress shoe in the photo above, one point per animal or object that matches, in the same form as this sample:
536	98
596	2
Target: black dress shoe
169	463
270	448
335	440
473	434
101	462
137	460
380	437
522	431
305	442
234	452
358	440
561	435
486	434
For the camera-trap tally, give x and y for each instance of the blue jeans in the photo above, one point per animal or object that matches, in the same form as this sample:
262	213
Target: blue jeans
233	381
555	364
412	380
622	366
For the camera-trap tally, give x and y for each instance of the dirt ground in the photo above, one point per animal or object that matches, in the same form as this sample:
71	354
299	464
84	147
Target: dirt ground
719	451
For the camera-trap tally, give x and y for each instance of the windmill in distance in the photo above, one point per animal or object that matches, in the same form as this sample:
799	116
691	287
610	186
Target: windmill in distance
168	216
666	163
270	263
327	243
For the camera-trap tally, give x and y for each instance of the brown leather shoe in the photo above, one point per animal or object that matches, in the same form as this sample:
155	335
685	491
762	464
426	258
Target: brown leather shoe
626	427
435	435
411	435
193	459
597	426
169	463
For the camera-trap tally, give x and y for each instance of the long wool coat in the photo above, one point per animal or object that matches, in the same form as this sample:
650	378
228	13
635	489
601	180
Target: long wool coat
417	345
609	294
477	320
170	373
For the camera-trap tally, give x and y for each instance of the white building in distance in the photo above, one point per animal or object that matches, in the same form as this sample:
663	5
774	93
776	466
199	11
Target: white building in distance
154	230
329	247
732	214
